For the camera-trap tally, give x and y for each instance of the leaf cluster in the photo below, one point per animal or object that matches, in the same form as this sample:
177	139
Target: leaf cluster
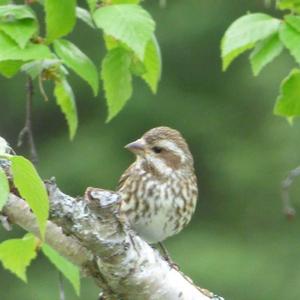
267	37
128	34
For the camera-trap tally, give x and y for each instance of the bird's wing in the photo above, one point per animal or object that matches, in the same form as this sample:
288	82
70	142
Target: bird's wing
125	176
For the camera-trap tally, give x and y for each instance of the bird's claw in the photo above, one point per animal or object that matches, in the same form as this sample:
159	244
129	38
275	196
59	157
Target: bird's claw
171	263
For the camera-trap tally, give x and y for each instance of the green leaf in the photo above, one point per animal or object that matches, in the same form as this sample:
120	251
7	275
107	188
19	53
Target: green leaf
288	102
9	50
293	5
152	63
9	68
17	254
244	33
60	18
19	22
20	31
11	13
137	67
116	77
84	16
70	271
65	99
129	23
264	52
111	42
291	39
32	189
4	2
293	21
75	59
4	188
92	4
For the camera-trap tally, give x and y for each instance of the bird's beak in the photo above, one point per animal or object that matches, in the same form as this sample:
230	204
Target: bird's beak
137	147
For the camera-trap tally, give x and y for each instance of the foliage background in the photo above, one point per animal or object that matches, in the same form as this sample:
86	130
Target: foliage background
238	245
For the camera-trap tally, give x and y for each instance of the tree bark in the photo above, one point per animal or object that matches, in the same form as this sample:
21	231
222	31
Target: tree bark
91	233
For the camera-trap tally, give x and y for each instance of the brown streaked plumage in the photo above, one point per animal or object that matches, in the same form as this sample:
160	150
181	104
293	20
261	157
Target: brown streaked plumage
159	190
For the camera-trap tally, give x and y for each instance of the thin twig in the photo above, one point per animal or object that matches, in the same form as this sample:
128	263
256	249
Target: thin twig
61	287
27	129
166	255
288	209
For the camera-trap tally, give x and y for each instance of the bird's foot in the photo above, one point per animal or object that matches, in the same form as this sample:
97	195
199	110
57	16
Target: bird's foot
171	263
167	257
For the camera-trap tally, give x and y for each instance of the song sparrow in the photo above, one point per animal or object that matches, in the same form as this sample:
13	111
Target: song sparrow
159	190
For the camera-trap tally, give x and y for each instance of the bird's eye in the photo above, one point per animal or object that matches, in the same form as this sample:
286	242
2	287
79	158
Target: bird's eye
157	149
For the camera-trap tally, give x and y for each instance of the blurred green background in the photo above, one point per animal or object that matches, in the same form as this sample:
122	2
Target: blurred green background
238	244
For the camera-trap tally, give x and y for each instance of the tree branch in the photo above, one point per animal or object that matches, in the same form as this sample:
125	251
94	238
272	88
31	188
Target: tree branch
91	233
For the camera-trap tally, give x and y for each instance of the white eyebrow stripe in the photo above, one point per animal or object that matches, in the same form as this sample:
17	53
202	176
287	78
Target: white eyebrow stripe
173	147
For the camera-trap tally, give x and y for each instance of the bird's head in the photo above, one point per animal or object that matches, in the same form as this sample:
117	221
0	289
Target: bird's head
164	149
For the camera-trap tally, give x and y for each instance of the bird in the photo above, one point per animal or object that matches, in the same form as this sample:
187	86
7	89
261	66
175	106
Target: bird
159	189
